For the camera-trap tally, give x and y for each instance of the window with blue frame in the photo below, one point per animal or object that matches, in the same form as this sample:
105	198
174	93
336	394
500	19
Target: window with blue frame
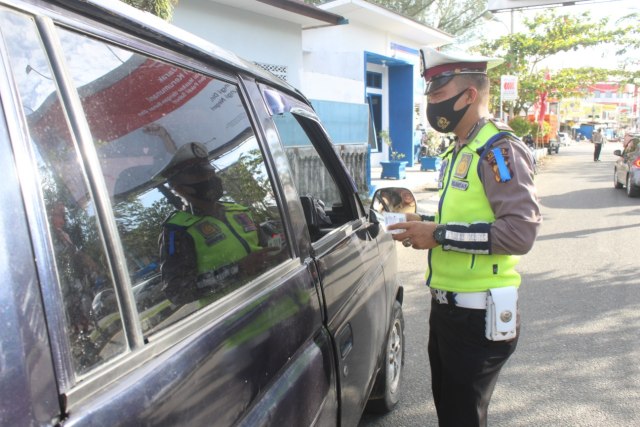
374	80
375	122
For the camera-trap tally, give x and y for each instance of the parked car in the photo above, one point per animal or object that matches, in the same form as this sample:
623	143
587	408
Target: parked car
96	100
626	172
553	146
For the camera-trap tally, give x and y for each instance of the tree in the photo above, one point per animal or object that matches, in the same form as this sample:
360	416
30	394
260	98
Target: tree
160	8
520	126
548	34
455	17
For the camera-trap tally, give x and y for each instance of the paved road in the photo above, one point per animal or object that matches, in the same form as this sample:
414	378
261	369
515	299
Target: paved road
578	359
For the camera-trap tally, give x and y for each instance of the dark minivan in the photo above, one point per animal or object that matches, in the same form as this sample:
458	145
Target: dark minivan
121	303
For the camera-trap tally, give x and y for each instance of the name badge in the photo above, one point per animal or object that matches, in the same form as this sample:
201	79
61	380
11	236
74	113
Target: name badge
460	185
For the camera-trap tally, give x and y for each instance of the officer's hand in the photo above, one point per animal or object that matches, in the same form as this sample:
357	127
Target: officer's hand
418	235
413	217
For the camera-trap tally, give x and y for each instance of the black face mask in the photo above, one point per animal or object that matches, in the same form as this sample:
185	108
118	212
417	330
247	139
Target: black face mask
210	190
441	115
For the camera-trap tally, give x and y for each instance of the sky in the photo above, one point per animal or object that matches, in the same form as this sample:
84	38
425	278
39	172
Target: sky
600	57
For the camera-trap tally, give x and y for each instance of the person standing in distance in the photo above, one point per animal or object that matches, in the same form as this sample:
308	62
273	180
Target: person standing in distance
488	215
598	140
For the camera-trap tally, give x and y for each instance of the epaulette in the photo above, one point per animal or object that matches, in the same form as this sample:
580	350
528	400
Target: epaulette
501	125
189	219
230	206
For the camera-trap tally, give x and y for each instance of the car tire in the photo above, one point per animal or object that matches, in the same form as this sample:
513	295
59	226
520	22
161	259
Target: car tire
386	390
632	190
616	183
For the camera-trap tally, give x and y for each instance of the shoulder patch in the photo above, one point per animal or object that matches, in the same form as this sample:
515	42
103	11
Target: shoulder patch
245	221
500	161
501	125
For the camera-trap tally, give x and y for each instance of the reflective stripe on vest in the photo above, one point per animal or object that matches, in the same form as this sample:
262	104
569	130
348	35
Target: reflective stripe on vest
463	200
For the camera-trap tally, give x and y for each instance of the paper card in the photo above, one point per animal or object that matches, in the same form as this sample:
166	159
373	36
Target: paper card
394	218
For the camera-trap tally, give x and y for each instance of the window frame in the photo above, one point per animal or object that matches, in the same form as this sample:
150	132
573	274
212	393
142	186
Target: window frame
318	136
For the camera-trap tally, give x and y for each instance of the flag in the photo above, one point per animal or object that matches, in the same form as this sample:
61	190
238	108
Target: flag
543	100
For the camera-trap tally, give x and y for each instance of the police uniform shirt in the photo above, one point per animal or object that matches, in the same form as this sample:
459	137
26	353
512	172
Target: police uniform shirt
514	202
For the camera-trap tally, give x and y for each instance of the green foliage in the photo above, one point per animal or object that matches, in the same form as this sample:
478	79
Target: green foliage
457	17
520	126
386	138
549	34
432	140
540	131
160	8
140	226
247	184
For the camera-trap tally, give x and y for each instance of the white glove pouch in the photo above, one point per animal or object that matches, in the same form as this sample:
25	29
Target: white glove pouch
502	306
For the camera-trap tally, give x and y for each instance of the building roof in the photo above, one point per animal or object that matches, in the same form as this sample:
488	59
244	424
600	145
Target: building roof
371	15
308	16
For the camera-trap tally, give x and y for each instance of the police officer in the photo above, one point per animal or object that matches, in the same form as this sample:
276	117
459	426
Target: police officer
487	216
205	251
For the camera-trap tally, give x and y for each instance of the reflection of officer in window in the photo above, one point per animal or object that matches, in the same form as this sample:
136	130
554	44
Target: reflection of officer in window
207	250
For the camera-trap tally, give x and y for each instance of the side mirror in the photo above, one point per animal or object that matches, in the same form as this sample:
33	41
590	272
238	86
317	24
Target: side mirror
394	199
617	153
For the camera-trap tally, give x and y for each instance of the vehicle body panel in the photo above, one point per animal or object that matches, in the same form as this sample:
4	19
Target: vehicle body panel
299	345
28	390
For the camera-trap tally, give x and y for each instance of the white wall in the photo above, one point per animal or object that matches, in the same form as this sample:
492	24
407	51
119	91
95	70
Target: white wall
333	76
333	60
257	38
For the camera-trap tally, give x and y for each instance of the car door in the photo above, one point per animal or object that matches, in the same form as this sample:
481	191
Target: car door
623	163
344	249
101	113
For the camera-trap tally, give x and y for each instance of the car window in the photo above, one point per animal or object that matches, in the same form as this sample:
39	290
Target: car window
79	252
194	205
144	116
327	205
633	146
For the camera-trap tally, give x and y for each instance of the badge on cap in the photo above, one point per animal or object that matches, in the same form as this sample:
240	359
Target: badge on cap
199	150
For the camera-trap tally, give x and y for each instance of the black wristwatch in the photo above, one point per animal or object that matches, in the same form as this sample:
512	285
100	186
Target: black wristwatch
439	233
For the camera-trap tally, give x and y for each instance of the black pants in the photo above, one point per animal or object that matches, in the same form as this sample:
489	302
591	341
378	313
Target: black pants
596	151
464	364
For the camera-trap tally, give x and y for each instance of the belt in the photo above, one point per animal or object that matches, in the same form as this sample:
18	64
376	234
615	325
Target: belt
475	300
